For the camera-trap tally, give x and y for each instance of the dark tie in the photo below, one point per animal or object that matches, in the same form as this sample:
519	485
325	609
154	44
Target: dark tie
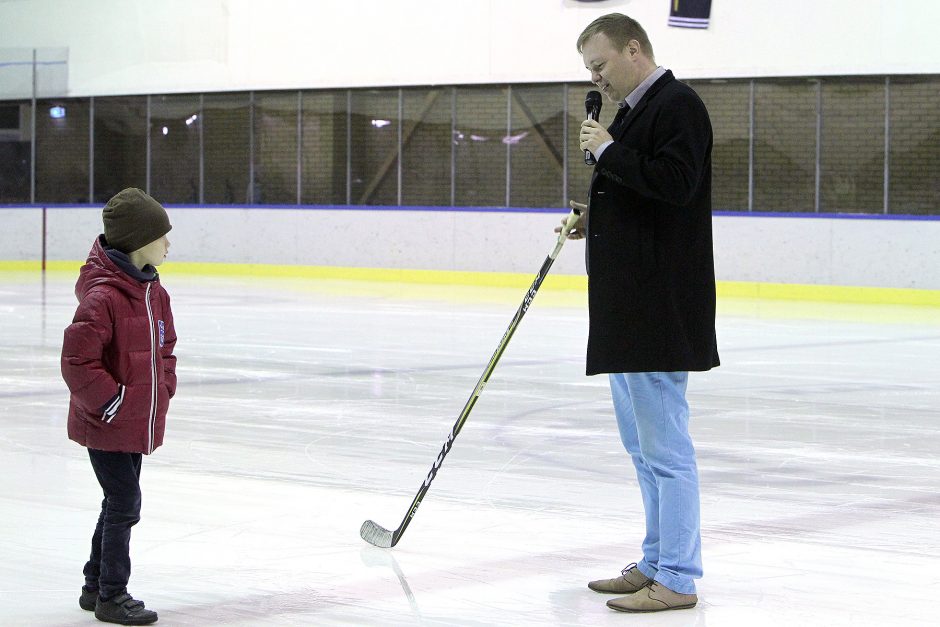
617	124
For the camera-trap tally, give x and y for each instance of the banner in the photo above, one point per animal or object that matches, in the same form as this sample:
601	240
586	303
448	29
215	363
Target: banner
689	13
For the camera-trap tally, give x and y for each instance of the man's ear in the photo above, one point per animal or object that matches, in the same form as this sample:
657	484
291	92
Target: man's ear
633	47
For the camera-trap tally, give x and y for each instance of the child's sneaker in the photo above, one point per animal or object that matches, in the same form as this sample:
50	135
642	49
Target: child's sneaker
88	599
123	609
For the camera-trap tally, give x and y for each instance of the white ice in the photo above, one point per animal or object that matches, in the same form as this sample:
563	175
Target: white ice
308	406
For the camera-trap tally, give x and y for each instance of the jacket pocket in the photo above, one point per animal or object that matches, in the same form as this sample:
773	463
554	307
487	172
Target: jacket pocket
110	409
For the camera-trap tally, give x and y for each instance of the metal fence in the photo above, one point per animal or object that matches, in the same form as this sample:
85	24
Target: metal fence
829	145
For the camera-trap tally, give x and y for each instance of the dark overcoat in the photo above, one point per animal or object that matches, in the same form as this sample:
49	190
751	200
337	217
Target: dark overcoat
651	274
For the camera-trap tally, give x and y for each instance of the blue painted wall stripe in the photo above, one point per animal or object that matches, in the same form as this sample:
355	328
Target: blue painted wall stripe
738	214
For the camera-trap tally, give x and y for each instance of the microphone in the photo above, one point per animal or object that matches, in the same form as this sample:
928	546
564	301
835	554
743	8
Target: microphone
592	104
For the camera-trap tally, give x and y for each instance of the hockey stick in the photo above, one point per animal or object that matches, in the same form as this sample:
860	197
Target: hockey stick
378	535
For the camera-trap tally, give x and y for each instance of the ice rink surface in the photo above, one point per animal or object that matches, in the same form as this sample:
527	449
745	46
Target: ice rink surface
308	406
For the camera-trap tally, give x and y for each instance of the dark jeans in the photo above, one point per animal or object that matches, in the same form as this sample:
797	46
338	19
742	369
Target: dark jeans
109	566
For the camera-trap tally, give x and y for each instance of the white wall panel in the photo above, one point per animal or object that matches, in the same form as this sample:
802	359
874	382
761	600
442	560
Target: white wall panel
70	232
902	254
20	234
803	250
139	46
773	250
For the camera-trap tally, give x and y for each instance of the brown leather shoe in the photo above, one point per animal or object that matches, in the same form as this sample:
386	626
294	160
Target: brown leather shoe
653	598
629	581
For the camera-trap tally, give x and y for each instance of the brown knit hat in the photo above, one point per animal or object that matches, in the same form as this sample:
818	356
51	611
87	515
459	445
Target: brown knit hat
132	219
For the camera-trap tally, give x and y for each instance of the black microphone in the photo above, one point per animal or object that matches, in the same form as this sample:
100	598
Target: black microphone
592	104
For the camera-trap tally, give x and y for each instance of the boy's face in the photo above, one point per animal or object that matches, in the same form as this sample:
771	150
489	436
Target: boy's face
154	253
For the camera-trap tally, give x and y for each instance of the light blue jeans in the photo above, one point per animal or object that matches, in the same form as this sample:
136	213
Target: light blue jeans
653	418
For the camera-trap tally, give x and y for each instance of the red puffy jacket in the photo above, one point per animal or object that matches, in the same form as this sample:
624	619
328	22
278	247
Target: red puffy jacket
117	358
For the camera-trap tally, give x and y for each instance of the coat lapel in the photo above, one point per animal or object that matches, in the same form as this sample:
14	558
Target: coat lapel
636	111
619	129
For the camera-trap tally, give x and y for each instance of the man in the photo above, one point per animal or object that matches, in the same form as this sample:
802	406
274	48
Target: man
651	293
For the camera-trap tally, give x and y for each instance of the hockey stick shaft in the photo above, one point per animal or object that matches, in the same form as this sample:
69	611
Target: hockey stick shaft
378	535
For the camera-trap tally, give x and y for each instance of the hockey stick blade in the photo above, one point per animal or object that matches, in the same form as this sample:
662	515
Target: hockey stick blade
376	535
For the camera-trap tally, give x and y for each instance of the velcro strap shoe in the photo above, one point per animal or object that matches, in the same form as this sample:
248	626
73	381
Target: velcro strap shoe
123	609
88	599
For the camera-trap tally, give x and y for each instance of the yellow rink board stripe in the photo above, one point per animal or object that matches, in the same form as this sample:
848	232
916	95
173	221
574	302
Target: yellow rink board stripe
829	293
726	289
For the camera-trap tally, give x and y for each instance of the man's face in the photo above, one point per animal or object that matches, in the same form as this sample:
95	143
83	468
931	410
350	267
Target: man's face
615	72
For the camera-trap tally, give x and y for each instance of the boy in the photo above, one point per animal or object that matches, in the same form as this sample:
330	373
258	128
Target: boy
118	362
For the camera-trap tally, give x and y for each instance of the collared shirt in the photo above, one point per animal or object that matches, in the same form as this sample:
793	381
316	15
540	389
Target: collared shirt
633	99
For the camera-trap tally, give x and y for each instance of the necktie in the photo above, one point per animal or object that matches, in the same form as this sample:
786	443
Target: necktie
615	127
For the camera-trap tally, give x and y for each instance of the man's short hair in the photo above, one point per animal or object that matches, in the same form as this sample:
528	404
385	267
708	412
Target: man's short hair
619	29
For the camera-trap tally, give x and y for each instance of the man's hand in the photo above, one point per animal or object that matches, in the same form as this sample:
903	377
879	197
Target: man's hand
593	135
577	231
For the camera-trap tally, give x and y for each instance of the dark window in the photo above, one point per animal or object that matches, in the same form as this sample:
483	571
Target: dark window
481	154
227	148
120	145
374	147
780	145
728	104
323	155
852	154
15	152
536	146
175	123
275	152
915	146
785	145
426	146
62	157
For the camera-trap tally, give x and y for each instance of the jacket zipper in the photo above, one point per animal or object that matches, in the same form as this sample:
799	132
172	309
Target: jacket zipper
153	375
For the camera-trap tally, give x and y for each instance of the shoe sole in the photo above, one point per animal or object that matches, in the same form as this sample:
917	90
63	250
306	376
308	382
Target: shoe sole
664	609
90	607
128	621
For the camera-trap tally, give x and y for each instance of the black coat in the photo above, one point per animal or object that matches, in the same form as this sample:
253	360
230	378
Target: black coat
651	272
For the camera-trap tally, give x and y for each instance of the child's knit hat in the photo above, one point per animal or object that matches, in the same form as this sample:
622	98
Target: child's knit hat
132	219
